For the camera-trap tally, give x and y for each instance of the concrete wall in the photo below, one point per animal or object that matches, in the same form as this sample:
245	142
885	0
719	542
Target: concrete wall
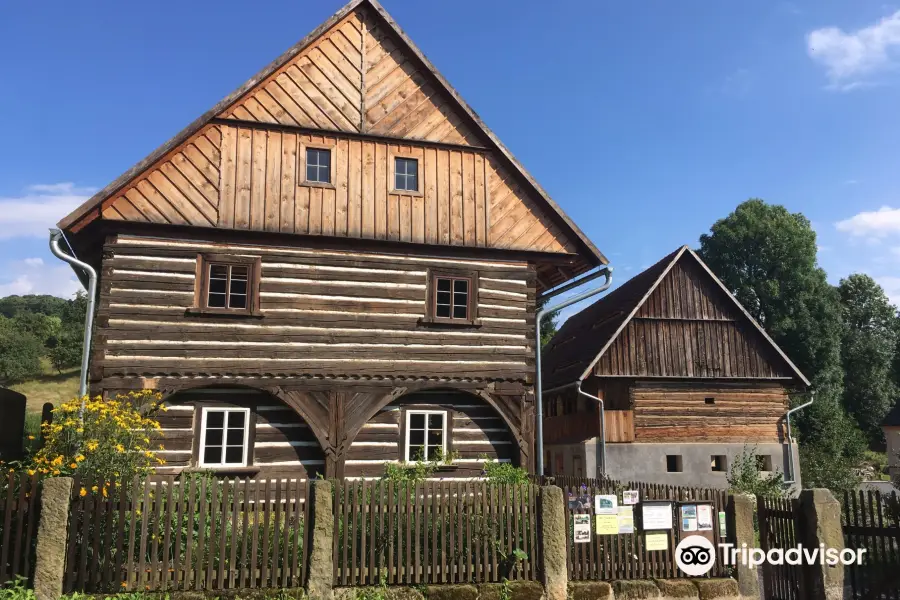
892	436
647	462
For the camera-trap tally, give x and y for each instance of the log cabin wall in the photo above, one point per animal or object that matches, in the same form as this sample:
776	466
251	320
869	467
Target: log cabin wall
475	433
708	412
333	313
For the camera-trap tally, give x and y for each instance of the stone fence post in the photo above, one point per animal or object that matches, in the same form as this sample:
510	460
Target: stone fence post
820	523
739	522
50	565
320	582
555	574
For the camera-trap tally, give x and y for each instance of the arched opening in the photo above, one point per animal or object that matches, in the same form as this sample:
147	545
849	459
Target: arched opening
458	429
238	430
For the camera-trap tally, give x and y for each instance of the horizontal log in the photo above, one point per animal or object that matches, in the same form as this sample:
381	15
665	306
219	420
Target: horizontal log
355	353
269	454
270	288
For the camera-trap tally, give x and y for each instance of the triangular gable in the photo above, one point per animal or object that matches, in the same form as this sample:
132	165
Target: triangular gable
358	73
676	319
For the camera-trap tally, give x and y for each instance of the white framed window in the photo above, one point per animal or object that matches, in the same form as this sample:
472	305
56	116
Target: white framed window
426	434
224	436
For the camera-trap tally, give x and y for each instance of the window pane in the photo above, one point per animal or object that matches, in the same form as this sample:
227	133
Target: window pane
238	301
434	437
216	301
416	437
238	286
399	181
325	174
460	299
215	418
214	437
443	285
239	273
461	286
325	158
218	272
412	182
236	419
235	437
212	454
417	421
460	312
442	310
417	452
435	421
311	172
443	297
217	286
234	455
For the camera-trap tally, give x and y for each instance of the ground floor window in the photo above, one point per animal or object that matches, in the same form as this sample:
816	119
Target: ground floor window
223	437
426	435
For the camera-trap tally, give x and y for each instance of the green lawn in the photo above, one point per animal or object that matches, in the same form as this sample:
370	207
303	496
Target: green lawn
55	388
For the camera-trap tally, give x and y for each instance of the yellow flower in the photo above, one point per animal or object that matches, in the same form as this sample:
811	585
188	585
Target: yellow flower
82	493
30	437
79	458
104	491
120	448
31	471
73	466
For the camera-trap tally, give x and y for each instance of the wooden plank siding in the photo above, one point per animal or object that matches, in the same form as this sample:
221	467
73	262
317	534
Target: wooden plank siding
324	313
688	328
665	412
475	430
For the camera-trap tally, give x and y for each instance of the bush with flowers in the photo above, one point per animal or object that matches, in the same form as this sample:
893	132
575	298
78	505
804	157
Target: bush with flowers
114	438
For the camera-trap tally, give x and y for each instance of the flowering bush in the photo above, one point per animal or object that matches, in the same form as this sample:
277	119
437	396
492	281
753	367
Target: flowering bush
113	440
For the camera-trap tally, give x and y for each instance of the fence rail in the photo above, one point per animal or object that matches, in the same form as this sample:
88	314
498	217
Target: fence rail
194	532
19	515
778	519
625	556
871	521
434	532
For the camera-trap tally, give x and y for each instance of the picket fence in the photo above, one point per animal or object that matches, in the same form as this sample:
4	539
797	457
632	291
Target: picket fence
19	515
190	533
434	532
871	520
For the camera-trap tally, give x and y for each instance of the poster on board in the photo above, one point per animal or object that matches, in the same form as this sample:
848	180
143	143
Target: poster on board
626	519
656	515
607	524
580	502
630	497
722	528
689	517
704	517
581	529
656	540
606	504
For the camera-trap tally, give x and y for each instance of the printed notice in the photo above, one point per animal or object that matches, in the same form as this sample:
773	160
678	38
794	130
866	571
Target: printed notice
656	540
722	527
626	519
689	517
704	517
581	529
630	497
607	524
606	504
656	515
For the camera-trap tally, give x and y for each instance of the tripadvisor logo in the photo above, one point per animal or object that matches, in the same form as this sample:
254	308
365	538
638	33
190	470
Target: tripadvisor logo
695	555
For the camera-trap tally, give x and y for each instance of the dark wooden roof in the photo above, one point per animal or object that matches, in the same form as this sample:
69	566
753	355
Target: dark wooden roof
588	251
582	344
893	418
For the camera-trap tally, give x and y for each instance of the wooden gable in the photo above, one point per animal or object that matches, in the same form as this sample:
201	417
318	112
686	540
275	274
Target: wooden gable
357	85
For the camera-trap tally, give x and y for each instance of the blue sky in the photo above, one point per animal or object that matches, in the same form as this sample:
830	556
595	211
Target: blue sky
646	121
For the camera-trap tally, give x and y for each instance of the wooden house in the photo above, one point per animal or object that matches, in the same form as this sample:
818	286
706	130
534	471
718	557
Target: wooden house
687	377
334	267
891	428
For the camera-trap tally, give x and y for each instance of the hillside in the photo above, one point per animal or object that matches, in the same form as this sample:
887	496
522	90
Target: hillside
54	388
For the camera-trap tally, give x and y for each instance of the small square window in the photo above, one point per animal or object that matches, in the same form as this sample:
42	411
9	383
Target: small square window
406	174
223	437
764	462
452	297
718	463
426	435
228	286
673	463
709	400
318	165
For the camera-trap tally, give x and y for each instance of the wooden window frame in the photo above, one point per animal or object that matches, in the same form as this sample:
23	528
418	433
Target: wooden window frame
200	438
392	174
201	284
431	298
301	159
405	415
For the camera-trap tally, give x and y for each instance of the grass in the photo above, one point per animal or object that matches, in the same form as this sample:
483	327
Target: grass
55	388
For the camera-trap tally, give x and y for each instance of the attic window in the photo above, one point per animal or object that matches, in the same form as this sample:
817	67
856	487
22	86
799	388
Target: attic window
406	175
709	400
318	165
227	284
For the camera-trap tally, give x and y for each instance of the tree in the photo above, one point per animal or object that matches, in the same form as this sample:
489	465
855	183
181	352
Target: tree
548	324
20	354
767	257
868	346
746	476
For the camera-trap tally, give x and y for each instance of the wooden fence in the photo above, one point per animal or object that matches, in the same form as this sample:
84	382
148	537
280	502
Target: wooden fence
871	521
19	515
778	522
194	532
434	532
625	556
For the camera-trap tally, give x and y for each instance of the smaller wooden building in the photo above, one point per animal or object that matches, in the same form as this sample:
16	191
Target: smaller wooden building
891	428
687	377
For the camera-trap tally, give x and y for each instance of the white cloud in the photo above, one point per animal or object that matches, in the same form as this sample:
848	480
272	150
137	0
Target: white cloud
891	285
38	208
850	57
879	223
32	276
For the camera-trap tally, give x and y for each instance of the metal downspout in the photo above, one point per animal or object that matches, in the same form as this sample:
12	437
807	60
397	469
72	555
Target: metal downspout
55	236
790	439
598	400
538	388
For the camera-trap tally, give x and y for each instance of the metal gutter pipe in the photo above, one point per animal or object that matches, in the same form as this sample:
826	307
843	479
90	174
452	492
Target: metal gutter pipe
55	236
538	391
790	439
590	276
598	400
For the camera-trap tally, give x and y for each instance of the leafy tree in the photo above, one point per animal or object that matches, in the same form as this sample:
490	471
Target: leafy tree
868	346
746	476
51	306
43	327
548	324
67	351
767	257
20	354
